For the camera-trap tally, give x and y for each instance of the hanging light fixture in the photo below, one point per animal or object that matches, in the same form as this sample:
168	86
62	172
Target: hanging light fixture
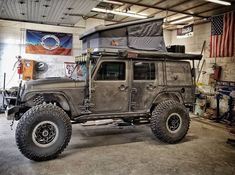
119	13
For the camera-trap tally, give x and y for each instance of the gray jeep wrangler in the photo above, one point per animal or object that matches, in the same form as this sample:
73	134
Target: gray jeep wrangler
130	77
138	87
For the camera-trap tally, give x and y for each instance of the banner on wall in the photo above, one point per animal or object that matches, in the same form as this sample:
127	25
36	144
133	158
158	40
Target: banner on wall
49	43
186	31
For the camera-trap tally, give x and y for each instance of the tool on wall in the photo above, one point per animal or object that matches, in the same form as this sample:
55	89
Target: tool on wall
25	68
19	66
200	71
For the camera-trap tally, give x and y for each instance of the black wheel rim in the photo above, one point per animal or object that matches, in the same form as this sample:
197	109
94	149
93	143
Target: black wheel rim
45	134
174	122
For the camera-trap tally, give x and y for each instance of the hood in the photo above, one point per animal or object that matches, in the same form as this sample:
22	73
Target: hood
50	83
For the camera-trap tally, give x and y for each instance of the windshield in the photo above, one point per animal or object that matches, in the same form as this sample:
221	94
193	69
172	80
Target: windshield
79	71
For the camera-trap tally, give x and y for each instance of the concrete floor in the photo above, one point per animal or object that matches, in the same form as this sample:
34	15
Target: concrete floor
129	151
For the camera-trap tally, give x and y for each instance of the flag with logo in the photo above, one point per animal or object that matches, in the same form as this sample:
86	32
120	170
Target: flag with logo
222	35
49	43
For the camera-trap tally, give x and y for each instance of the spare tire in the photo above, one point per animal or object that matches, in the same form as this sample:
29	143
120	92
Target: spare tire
170	121
43	132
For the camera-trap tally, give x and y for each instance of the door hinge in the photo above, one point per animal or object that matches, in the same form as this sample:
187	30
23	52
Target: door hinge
86	107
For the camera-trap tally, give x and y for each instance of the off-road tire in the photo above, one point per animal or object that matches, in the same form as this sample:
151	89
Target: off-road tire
35	116
159	121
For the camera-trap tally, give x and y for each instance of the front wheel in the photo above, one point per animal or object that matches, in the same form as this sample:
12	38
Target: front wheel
170	121
43	132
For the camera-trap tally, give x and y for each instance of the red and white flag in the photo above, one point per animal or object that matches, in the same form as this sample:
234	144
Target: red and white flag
222	35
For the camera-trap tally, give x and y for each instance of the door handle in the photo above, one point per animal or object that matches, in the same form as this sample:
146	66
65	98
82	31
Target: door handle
123	87
150	87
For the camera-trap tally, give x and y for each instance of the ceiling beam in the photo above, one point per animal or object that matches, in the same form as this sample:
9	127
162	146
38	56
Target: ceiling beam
212	9
205	3
130	5
145	8
169	8
208	10
226	9
159	8
94	17
45	23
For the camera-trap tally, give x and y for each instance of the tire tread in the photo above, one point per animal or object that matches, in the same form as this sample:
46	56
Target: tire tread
156	121
28	118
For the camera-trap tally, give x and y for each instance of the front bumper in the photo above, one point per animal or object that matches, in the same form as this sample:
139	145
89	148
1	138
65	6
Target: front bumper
11	111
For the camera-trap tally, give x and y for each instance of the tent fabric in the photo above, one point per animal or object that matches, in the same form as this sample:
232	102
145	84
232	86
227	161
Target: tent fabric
146	43
145	35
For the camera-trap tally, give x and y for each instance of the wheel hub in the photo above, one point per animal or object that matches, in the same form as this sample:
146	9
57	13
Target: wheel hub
174	122
45	134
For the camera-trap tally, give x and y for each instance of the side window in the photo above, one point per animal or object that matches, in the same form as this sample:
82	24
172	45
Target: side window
144	71
178	73
111	71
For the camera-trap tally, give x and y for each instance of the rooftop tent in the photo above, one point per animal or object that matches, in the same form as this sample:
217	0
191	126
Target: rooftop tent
138	35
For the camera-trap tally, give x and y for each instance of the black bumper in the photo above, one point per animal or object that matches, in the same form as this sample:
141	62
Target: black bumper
11	111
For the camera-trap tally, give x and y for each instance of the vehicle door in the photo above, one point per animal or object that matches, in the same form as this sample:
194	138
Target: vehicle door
144	84
110	87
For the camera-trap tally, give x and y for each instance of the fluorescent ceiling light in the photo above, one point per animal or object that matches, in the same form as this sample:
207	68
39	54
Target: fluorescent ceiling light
220	2
118	13
111	2
182	20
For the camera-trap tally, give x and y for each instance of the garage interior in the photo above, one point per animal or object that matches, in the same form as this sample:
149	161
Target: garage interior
104	147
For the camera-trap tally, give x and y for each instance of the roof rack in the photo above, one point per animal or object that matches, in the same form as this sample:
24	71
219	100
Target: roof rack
134	54
156	55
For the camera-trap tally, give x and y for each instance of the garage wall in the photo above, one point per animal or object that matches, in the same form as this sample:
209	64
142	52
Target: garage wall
194	45
12	43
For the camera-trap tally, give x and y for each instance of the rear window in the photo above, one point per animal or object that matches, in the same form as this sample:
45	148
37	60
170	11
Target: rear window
144	71
178	73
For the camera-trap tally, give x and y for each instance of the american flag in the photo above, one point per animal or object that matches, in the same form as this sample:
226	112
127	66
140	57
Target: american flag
222	35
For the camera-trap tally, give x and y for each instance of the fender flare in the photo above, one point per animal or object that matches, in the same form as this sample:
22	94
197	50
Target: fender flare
166	95
57	97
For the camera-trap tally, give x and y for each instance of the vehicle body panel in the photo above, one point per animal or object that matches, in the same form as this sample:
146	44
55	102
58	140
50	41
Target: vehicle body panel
173	80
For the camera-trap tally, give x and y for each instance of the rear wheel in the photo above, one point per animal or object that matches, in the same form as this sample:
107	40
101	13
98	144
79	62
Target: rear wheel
43	132
170	121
